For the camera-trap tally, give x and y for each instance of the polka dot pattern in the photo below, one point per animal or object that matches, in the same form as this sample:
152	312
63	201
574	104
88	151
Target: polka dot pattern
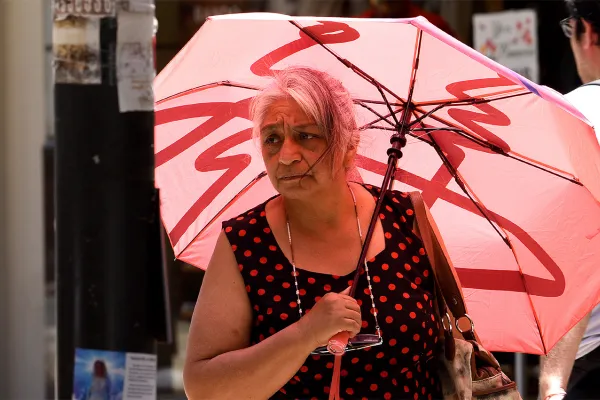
402	286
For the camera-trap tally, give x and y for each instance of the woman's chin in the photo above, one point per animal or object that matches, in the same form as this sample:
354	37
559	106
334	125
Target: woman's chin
294	187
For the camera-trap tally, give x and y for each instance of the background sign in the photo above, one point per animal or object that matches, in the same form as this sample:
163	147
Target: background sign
509	38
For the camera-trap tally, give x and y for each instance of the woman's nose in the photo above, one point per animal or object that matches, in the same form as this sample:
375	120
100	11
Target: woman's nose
289	152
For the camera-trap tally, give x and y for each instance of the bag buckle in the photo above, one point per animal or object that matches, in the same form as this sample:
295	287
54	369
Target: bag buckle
472	325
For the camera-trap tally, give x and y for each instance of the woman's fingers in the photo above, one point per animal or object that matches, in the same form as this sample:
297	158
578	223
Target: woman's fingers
352	326
346	292
352	315
351	304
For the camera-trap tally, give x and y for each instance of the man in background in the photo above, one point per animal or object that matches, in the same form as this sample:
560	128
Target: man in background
572	368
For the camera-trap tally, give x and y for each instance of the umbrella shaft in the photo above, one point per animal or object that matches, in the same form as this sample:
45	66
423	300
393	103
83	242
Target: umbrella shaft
387	181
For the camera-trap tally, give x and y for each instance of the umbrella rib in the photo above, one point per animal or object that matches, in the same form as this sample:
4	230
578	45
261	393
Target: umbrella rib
439	119
208	86
472	137
239	85
229	204
476	100
542	166
419	137
381	117
496	149
379	102
422	117
466	102
533	310
463	187
348	64
387	103
415	68
411	88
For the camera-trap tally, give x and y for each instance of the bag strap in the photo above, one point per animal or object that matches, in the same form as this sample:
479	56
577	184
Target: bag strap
445	276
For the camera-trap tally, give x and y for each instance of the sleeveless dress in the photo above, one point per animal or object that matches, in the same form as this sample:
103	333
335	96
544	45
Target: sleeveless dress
403	367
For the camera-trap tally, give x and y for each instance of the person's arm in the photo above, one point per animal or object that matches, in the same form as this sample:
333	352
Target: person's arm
219	362
555	368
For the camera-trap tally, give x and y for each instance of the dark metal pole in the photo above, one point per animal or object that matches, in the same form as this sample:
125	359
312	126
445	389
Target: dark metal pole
106	204
397	141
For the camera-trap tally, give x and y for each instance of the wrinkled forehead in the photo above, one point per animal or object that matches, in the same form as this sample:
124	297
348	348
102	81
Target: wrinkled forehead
282	125
286	108
286	113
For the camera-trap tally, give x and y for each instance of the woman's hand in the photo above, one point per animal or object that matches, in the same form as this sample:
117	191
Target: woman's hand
332	314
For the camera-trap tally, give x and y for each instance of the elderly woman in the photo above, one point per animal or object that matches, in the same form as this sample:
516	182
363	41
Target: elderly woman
276	289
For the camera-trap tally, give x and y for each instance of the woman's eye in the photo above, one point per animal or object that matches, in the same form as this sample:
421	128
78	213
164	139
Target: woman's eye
272	139
305	136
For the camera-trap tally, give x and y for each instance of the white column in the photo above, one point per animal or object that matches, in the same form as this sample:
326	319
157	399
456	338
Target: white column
22	131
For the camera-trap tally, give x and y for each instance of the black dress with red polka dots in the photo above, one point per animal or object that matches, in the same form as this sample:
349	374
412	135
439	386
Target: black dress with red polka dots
403	367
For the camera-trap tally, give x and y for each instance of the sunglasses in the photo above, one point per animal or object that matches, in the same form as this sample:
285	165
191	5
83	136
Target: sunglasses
359	342
567	27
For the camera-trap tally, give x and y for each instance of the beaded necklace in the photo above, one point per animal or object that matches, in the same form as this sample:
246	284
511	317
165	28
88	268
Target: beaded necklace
295	273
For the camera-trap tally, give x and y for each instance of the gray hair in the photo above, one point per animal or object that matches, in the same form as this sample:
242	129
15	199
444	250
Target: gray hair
321	97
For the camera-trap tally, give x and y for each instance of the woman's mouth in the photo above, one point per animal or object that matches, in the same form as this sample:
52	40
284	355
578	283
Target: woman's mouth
290	178
293	177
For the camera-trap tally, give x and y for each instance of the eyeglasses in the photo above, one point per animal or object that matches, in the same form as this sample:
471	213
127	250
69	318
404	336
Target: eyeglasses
359	342
567	27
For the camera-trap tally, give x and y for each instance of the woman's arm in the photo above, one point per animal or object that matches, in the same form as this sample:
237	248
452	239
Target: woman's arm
219	364
556	367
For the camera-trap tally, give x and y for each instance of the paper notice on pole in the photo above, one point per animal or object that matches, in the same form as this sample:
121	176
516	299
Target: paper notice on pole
84	8
509	38
135	60
140	381
76	50
114	375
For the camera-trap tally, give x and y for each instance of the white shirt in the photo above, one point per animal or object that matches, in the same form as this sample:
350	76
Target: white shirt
587	100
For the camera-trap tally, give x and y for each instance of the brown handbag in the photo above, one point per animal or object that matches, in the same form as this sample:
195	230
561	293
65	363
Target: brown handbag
467	371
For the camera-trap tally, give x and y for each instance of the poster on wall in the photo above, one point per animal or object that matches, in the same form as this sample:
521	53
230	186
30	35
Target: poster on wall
112	375
509	38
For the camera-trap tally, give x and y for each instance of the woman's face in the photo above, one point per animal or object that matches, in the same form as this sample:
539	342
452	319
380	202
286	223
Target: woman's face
291	144
99	369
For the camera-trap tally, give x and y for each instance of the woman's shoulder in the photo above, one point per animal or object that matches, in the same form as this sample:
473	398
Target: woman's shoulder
251	218
396	202
399	198
245	219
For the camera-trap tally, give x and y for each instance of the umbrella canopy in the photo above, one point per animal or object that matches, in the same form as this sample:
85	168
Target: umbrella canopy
510	170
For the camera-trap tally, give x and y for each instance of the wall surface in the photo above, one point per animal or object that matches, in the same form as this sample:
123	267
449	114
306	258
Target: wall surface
23	108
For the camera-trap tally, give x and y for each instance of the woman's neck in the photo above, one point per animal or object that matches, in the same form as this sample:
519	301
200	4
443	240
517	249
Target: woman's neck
323	212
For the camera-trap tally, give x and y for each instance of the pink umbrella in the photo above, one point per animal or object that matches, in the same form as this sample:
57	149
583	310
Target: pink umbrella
510	170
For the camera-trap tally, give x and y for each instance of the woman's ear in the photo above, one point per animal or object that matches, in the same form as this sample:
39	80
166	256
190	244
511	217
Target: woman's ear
349	157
